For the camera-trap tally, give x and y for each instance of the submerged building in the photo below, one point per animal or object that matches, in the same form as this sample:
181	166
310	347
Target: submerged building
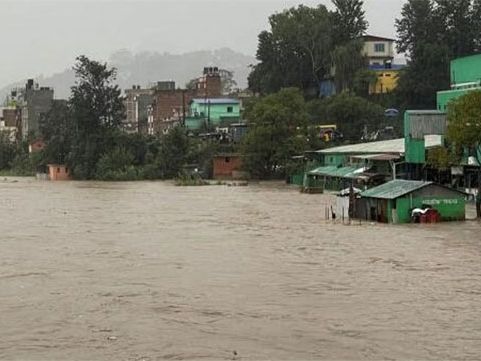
363	165
395	201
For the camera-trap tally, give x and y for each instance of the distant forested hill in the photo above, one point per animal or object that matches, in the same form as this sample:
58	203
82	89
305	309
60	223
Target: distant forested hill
148	67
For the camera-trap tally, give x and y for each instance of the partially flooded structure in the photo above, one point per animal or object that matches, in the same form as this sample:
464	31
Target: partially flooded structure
363	165
394	202
58	172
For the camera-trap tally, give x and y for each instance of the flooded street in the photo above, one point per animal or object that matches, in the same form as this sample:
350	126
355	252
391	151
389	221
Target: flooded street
148	271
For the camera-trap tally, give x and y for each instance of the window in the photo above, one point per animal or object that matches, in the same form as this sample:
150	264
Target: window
58	170
230	109
379	48
227	159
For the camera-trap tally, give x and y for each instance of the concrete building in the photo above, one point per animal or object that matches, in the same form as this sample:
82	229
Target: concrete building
168	109
387	78
58	172
465	75
137	102
225	166
170	106
10	121
209	84
362	165
379	53
394	202
378	50
37	103
213	112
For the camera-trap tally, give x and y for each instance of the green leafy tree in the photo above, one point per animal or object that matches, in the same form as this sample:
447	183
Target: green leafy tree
476	24
278	131
97	110
364	79
348	63
117	165
57	132
455	18
295	52
432	33
349	20
174	152
464	129
352	114
7	150
419	32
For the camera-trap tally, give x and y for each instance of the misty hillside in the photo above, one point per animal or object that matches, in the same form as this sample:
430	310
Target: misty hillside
147	67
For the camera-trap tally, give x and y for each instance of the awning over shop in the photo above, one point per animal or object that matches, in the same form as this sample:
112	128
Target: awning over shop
383	157
342	172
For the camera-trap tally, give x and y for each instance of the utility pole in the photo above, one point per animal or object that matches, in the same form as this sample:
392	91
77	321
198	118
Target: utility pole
183	108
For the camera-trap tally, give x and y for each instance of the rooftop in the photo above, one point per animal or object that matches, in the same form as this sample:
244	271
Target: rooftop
394	146
400	187
341	172
205	101
384	68
376	38
394	189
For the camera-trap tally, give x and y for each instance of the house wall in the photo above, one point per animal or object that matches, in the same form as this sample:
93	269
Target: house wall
225	165
445	97
58	172
38	103
11	116
216	112
378	57
450	204
387	81
451	208
194	123
210	86
371	209
465	70
168	105
334	159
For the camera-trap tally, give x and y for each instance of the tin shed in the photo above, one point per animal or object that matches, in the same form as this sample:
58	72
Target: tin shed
394	201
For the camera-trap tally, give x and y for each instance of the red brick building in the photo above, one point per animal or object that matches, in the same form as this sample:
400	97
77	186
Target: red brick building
58	172
225	165
169	104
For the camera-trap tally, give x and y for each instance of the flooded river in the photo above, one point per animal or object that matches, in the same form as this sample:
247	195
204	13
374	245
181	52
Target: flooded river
149	271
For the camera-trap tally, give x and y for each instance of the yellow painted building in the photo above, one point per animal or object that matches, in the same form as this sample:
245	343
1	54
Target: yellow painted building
386	81
379	52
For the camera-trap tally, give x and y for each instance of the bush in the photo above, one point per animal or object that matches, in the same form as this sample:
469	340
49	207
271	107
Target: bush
116	165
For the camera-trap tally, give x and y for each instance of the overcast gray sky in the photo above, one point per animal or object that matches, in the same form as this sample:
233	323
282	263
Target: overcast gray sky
45	36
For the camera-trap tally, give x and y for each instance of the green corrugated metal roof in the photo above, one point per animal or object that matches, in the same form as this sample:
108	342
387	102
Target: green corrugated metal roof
394	189
395	146
333	171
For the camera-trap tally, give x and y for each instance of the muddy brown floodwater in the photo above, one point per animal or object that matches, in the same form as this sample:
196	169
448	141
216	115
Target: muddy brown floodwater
150	271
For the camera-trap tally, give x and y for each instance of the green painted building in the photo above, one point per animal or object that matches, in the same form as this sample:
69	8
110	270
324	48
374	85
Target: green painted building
363	165
465	77
393	202
417	125
212	112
